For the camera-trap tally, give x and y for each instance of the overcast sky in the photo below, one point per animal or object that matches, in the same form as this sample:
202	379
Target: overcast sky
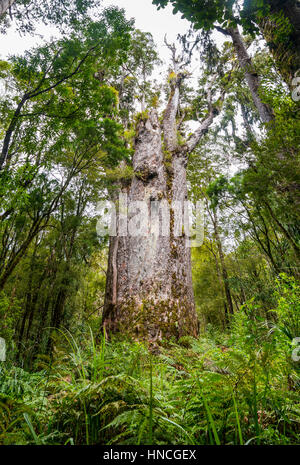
147	18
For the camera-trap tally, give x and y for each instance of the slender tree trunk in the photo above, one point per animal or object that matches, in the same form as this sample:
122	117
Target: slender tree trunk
284	230
57	313
229	306
251	75
17	256
4	157
220	279
4	6
43	314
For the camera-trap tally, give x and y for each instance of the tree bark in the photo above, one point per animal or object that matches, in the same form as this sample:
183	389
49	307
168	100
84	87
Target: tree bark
4	6
149	280
229	307
149	291
252	78
220	279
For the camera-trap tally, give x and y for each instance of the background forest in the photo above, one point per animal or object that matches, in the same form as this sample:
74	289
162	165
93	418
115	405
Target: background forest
70	112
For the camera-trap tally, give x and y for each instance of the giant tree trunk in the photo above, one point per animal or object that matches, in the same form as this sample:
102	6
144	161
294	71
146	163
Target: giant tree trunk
149	289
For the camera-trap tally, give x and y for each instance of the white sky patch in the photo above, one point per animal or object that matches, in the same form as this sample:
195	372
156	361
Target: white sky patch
12	43
147	18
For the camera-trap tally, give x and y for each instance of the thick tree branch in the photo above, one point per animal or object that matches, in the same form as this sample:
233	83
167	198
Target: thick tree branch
169	121
222	30
213	111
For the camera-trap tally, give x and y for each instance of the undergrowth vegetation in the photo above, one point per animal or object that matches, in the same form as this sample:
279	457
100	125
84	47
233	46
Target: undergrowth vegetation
236	388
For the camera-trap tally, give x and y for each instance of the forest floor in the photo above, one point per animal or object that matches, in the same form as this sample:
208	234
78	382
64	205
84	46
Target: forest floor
239	387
